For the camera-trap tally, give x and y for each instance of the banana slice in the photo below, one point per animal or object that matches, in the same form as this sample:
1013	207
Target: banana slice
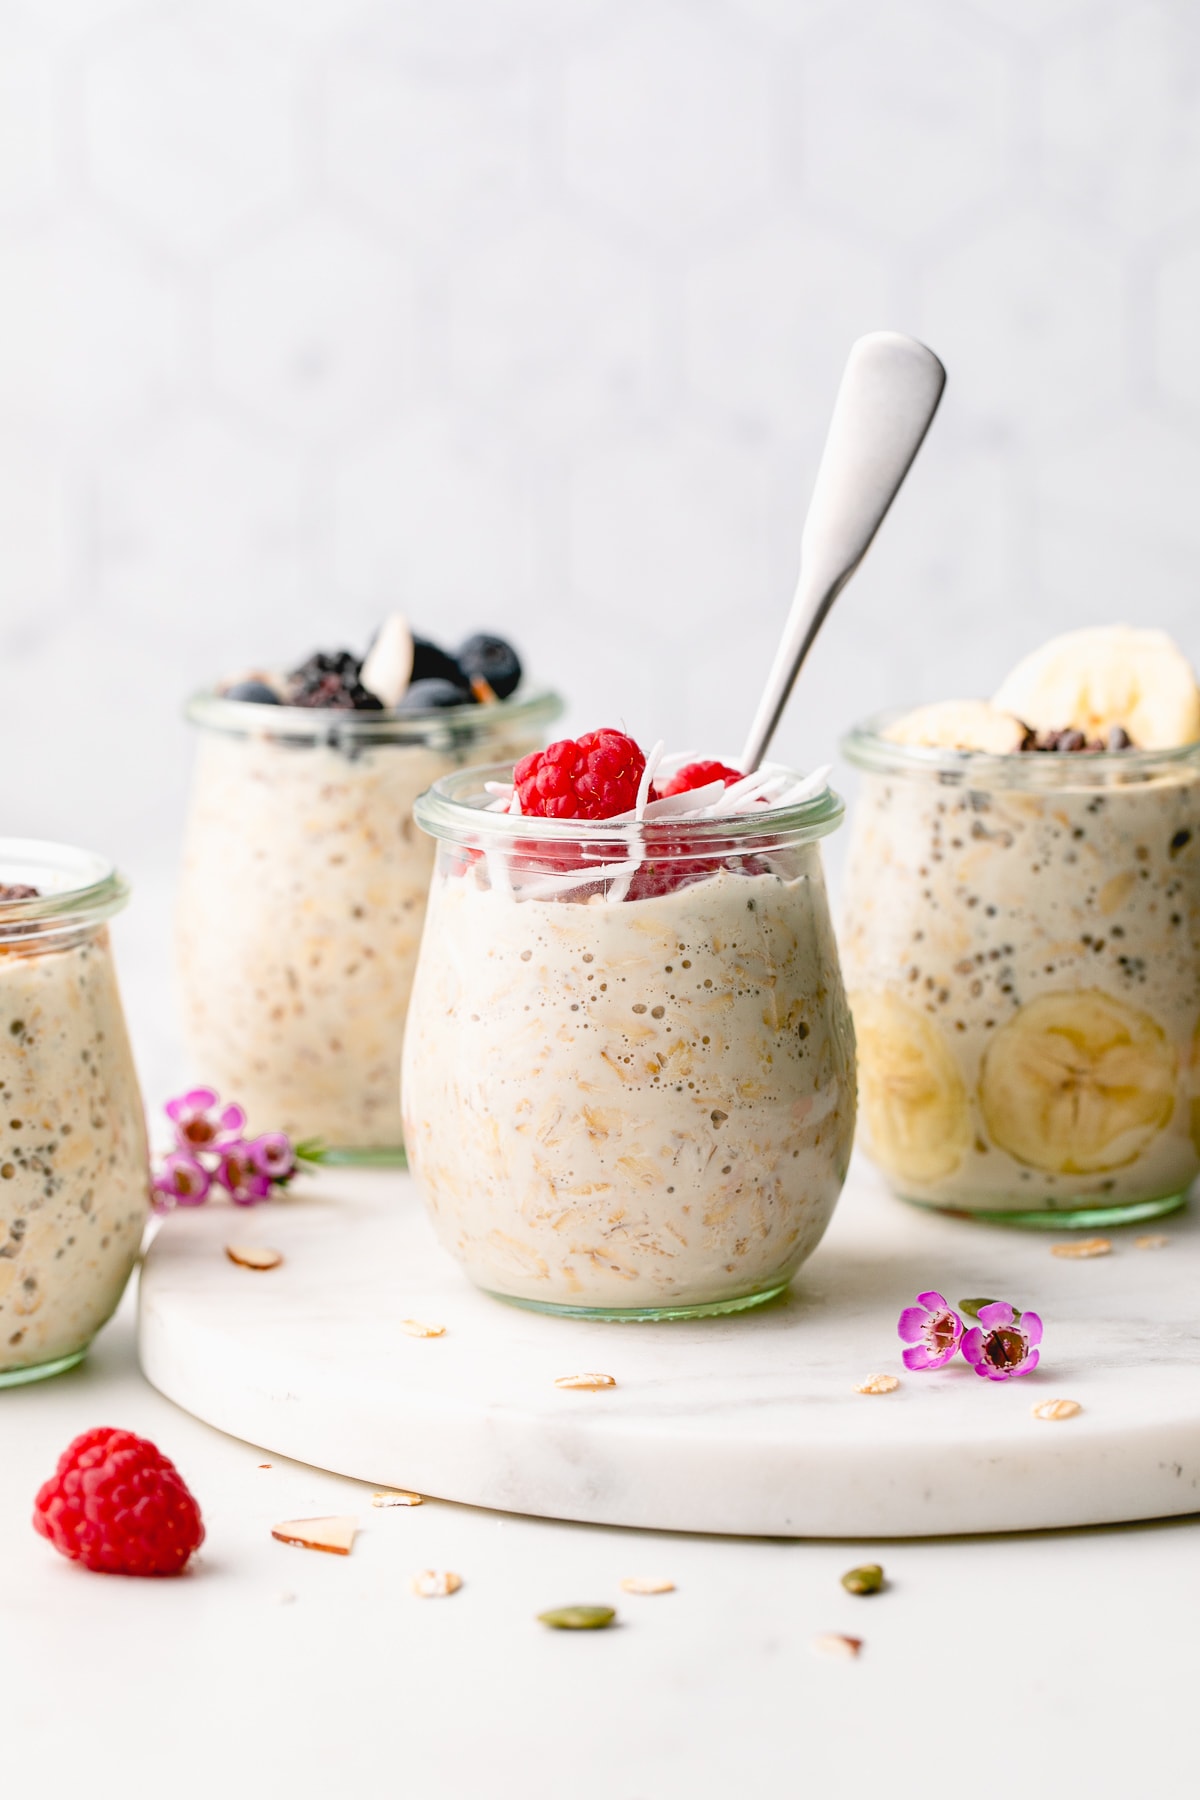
1077	1083
959	725
1104	676
913	1098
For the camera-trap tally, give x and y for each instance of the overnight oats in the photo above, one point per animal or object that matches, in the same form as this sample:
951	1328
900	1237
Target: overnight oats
629	1068
304	881
74	1163
1021	938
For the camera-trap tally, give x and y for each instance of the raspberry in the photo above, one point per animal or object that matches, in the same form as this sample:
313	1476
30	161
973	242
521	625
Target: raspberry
596	777
117	1505
696	775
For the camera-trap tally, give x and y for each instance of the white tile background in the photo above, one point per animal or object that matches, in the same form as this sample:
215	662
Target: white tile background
528	314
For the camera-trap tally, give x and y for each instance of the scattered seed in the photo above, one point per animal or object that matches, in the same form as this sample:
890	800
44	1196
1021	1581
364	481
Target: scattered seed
1056	1409
1154	1242
878	1384
435	1584
647	1584
593	1382
264	1465
335	1535
254	1256
1078	1248
832	1643
866	1579
578	1618
415	1328
397	1497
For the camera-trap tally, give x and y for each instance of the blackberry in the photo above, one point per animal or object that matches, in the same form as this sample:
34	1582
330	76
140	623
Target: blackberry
330	678
494	660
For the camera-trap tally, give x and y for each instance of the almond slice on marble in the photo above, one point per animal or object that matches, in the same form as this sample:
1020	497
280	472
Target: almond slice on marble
254	1256
397	1497
335	1535
591	1382
435	1584
833	1643
415	1328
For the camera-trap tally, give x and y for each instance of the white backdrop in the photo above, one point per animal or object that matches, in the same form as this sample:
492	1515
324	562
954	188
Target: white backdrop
527	314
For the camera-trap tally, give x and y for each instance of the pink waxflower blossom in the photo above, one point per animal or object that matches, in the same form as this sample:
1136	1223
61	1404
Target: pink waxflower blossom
1002	1346
931	1330
198	1123
182	1181
274	1155
240	1175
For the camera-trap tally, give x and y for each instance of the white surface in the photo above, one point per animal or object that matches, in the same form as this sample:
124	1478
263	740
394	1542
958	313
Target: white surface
747	1424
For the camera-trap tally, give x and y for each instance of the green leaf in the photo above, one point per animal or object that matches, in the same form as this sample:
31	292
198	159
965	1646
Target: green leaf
973	1307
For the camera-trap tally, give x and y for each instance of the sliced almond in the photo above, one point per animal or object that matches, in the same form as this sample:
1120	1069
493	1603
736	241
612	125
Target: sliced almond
1155	1241
397	1497
878	1384
832	1643
435	1584
1056	1409
415	1328
1078	1248
335	1535
648	1584
254	1256
591	1382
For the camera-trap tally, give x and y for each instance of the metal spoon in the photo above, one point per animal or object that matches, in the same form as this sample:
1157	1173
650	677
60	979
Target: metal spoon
885	405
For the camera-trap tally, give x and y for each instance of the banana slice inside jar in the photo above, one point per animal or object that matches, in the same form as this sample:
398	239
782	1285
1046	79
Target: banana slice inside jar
913	1098
1077	1083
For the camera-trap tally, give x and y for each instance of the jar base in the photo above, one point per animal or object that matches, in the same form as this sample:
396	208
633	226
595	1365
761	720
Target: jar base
1084	1217
378	1157
42	1371
634	1315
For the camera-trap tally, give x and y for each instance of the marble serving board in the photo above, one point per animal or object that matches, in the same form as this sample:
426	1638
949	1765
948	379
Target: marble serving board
745	1424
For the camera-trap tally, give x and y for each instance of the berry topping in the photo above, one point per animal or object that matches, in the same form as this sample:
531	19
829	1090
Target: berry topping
493	661
256	691
696	775
433	692
330	678
18	890
433	664
595	777
117	1505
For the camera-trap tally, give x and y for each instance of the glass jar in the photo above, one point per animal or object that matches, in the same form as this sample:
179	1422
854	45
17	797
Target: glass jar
629	1067
74	1162
302	899
1021	939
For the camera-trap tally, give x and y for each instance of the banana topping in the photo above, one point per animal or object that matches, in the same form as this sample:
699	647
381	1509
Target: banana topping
1103	678
960	725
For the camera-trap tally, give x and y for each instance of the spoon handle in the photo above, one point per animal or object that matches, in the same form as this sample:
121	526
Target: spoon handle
885	405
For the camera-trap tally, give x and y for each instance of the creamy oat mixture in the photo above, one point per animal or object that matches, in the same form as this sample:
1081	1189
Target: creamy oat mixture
631	1105
74	1177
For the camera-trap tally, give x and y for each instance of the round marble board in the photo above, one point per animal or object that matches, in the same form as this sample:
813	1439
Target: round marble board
744	1424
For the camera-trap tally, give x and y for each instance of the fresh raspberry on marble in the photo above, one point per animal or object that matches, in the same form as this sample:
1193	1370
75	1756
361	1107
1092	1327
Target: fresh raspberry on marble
593	777
695	775
117	1505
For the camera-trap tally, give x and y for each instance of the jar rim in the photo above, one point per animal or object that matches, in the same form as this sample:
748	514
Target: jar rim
447	726
454	809
78	888
866	746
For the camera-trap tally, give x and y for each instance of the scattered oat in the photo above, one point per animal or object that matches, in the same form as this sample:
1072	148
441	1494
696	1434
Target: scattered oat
1155	1241
284	1598
335	1535
585	1381
254	1256
1081	1247
264	1465
415	1328
832	1643
435	1584
878	1384
396	1497
1056	1409
648	1584
578	1618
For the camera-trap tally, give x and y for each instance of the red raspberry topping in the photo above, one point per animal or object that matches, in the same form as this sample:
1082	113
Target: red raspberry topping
696	775
117	1505
594	777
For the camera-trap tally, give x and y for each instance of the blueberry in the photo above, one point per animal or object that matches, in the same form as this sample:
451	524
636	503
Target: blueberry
257	691
496	661
432	664
432	692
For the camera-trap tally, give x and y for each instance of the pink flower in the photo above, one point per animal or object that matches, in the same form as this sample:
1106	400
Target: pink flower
240	1175
198	1124
932	1330
182	1181
999	1347
274	1155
